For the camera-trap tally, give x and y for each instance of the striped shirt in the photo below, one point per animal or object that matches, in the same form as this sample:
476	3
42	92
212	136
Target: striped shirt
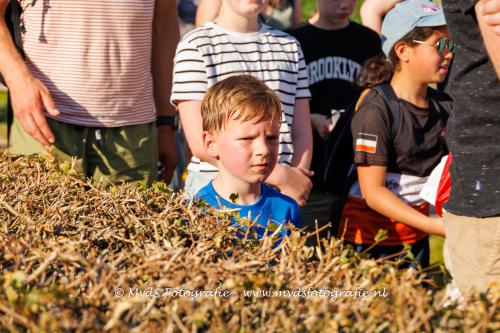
210	54
94	56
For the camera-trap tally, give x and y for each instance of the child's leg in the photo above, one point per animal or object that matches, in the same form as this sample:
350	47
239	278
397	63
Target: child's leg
318	207
376	252
420	251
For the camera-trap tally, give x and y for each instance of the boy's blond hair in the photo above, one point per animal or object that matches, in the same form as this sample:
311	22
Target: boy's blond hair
239	97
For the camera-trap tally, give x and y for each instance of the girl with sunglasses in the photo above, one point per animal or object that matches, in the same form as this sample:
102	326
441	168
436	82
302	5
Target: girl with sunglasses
393	168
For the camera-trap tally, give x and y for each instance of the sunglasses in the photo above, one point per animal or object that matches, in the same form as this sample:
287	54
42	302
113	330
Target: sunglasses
441	44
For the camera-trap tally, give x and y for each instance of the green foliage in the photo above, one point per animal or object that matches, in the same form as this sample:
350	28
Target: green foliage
3	117
380	236
436	244
409	254
234	197
309	8
3	106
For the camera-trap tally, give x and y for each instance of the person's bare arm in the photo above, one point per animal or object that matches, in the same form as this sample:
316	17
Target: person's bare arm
165	39
28	95
302	134
491	11
207	11
297	11
490	38
382	200
372	12
190	113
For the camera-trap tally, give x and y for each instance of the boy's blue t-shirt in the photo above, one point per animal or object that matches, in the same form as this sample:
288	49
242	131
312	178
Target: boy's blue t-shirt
271	206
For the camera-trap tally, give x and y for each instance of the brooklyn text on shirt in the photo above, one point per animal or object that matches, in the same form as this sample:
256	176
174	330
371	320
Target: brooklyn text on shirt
336	68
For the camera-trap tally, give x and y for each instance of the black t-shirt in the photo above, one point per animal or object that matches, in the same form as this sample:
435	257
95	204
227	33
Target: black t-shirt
418	146
473	131
334	61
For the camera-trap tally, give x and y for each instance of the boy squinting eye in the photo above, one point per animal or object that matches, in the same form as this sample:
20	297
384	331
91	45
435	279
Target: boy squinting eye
246	138
272	137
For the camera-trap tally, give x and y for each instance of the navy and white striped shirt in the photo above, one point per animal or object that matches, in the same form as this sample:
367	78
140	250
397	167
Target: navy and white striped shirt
210	54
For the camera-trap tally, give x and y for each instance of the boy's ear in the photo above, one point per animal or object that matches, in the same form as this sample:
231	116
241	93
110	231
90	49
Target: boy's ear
210	144
402	51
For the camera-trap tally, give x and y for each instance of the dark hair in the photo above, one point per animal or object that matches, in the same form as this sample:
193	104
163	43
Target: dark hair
380	69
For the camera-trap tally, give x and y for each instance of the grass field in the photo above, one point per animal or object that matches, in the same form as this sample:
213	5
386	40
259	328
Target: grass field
436	245
3	117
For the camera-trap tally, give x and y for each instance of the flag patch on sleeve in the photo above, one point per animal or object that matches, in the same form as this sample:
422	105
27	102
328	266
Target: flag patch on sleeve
366	143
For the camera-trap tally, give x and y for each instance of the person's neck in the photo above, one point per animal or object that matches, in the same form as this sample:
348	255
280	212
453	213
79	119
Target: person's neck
409	89
237	23
227	186
322	22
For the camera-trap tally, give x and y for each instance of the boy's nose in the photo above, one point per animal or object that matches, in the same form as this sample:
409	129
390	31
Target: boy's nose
262	147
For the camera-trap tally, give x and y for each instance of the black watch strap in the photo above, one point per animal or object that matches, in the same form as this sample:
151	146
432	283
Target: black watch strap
167	121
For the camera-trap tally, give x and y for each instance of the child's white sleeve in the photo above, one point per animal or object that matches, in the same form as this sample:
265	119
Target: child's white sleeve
302	81
190	74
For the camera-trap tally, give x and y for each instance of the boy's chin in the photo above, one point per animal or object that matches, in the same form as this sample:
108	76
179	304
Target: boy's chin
260	178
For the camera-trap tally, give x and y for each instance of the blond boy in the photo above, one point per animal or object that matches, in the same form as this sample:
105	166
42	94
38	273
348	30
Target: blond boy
241	122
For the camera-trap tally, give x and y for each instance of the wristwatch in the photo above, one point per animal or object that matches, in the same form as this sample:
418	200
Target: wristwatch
171	121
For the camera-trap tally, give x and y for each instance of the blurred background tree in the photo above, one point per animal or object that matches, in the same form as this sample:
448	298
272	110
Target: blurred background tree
309	8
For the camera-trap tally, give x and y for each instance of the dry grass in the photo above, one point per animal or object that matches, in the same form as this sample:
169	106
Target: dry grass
66	247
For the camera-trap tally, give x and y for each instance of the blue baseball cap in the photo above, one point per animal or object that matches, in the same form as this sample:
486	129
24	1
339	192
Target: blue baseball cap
406	16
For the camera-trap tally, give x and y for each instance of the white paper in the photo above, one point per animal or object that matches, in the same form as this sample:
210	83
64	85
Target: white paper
429	191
